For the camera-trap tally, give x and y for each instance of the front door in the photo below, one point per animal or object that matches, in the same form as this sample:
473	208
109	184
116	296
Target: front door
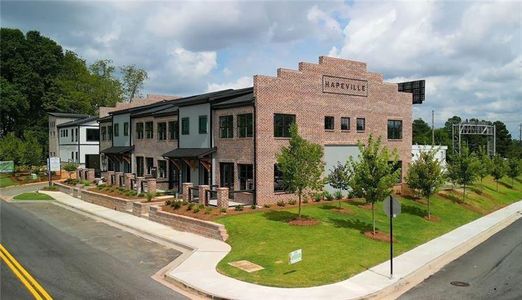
226	175
173	176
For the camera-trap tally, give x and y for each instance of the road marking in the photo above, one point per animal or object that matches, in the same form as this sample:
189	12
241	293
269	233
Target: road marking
29	282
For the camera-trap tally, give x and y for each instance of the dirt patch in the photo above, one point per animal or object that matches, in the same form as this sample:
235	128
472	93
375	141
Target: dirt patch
367	206
343	210
379	236
432	219
422	201
473	208
304	222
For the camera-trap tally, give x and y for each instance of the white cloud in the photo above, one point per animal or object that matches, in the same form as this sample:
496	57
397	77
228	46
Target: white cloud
242	82
191	64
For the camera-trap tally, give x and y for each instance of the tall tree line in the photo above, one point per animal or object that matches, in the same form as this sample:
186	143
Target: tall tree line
37	76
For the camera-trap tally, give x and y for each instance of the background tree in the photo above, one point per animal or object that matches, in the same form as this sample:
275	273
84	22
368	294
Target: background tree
484	167
10	147
513	169
339	178
498	168
421	132
374	174
70	167
133	78
503	138
425	175
463	167
301	164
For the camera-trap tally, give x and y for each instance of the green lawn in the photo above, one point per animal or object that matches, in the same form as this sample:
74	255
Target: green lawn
335	249
33	196
6	180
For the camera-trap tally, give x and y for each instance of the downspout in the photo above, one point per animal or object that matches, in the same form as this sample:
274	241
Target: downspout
211	133
255	152
78	138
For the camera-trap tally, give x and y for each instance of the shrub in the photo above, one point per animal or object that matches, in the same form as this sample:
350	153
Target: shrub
86	183
253	206
328	196
190	206
338	195
196	210
266	206
317	197
305	201
201	206
184	203
208	210
120	189
281	203
71	181
168	202
50	188
176	204
133	193
292	202
223	210
149	196
100	187
238	208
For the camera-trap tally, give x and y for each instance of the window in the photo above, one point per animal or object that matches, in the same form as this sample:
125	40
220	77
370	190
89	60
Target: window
76	134
149	162
139	166
139	130
185	126
149	127
278	179
173	130
245	126
162	131
394	129
345	123
93	135
246	177
72	135
226	127
162	168
77	160
203	120
72	155
126	129
117	129
109	130
329	123
282	124
361	124
104	133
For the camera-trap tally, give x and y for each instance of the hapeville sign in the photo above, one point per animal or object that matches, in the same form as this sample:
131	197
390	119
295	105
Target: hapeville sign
346	86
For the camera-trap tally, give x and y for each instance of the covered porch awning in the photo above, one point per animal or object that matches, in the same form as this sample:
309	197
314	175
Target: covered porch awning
117	150
189	153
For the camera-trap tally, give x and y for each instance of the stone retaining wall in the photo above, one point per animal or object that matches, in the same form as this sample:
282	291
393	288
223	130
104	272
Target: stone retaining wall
183	223
140	209
111	202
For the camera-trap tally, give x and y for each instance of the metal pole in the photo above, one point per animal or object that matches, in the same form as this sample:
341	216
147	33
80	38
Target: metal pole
433	127
49	169
391	237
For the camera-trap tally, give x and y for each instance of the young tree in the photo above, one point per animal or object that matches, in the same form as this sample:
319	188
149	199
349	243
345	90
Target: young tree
301	164
425	175
464	168
484	167
133	78
339	178
374	173
498	168
513	169
70	167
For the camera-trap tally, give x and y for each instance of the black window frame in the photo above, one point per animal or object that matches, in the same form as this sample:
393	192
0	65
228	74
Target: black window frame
278	180
203	127
185	126
394	129
245	173
363	124
149	167
149	130
162	131
282	123
103	133
139	131
226	126
126	129
329	123
109	130
162	165
343	125
245	125
116	129
173	128
140	166
96	135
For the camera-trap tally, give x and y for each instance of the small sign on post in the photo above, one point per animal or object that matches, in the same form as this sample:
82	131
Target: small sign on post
53	165
295	256
392	208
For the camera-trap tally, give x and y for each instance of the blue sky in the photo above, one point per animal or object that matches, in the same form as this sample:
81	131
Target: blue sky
469	52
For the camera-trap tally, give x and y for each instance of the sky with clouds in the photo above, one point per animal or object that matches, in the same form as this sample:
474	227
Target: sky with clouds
469	53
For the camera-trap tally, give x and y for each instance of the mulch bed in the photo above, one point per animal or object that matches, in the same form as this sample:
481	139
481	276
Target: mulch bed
304	222
366	206
379	236
432	218
343	210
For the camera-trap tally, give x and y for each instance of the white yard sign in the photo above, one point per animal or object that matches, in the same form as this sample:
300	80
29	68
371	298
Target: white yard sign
54	164
296	256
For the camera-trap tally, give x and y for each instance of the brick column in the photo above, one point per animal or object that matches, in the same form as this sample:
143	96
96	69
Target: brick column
104	174
151	185
128	181
222	197
109	177
117	178
90	175
84	174
203	194
79	174
186	186
139	180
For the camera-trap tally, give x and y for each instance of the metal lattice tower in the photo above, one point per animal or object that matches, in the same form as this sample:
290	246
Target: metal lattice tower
474	128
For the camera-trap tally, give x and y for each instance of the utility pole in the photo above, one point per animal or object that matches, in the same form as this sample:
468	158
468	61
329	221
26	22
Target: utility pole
520	135
433	127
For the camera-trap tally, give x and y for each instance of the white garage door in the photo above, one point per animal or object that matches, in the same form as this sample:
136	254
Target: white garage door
337	153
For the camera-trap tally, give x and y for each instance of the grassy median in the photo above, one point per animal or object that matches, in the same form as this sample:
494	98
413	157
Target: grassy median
336	249
33	196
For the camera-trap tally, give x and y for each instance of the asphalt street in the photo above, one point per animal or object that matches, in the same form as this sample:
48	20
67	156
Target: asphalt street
75	257
493	270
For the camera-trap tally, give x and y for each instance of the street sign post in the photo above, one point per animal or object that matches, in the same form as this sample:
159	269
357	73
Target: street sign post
392	208
53	165
295	256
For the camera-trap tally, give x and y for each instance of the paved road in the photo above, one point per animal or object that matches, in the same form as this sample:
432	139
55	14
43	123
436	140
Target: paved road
76	257
11	191
493	270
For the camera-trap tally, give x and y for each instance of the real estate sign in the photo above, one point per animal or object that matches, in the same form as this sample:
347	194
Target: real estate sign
54	164
7	166
296	256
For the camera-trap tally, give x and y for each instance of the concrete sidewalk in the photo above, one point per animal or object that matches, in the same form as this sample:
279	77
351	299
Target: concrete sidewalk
198	271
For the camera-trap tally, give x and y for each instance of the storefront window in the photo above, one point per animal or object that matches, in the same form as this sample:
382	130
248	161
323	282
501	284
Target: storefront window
282	123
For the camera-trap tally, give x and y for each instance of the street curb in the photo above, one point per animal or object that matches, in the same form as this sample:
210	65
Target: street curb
400	287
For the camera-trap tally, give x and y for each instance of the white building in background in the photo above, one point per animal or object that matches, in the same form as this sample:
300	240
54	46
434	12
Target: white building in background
55	119
79	142
440	153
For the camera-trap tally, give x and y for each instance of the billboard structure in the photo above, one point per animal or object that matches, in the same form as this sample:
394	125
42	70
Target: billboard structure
474	128
417	88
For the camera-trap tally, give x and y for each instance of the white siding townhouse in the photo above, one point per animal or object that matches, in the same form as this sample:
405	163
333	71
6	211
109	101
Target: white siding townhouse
79	142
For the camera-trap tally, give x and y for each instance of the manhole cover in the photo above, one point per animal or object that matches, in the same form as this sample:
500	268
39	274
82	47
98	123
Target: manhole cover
459	283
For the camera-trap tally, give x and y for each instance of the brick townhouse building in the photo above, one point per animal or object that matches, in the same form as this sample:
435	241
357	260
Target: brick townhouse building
231	138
